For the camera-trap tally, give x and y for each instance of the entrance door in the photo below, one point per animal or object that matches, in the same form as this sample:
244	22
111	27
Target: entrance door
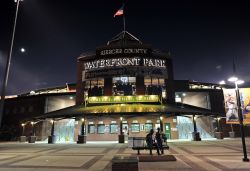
168	130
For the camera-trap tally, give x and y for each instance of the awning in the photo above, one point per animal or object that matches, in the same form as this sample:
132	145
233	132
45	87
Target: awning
127	109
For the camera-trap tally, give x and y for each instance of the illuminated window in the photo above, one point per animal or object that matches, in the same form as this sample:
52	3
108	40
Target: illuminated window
94	87
113	128
135	127
155	81
161	81
147	81
124	85
148	127
91	129
100	128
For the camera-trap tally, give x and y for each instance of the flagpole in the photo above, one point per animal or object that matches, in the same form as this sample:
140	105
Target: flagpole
124	23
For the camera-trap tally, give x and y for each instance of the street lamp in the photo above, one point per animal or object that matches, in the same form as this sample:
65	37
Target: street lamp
7	68
237	82
82	138
33	130
83	127
161	124
121	135
121	118
23	127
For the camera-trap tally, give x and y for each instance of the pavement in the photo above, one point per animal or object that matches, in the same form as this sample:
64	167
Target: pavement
96	156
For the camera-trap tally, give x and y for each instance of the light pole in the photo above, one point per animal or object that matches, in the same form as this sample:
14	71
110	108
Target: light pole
82	138
121	118
121	135
161	124
51	138
33	129
23	137
23	127
83	127
7	68
236	82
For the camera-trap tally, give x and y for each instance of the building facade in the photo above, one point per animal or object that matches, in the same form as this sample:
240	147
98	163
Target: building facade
125	88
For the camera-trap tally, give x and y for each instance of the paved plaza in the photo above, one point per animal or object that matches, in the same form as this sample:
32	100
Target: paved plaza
205	155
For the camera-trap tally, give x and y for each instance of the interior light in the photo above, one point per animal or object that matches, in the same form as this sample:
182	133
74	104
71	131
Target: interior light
222	82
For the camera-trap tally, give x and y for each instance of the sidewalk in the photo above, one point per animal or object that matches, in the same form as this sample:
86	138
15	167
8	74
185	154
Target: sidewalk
205	155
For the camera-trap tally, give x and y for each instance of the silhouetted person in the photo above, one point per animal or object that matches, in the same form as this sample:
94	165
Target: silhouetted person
159	138
151	143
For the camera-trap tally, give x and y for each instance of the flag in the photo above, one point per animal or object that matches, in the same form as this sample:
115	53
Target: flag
119	12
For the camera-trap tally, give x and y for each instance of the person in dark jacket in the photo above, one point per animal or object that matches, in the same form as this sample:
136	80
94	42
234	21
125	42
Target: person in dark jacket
151	142
159	139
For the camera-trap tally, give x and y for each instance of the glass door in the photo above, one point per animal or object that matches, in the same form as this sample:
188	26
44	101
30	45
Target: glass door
168	130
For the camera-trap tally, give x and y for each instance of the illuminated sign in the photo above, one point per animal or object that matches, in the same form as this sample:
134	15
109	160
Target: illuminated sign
117	62
123	51
123	99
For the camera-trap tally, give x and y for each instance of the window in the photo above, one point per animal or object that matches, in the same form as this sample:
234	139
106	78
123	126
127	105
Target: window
91	129
113	128
100	128
148	127
124	85
135	127
155	81
161	81
94	87
154	86
147	81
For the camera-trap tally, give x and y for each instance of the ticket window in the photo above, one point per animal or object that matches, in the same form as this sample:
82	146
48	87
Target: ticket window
100	128
135	127
148	127
91	129
113	128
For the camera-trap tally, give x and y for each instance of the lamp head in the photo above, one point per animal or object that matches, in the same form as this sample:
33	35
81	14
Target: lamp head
121	118
233	79
23	124
82	119
240	82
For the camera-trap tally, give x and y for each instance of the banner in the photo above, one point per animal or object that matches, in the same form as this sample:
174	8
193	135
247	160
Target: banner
245	104
231	105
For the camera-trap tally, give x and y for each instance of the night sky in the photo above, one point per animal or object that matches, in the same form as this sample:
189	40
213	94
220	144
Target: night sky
202	36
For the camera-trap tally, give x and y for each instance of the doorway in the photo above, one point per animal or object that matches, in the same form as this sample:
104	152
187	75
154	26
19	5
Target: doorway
168	130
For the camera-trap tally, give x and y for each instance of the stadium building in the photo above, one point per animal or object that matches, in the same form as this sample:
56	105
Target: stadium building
123	90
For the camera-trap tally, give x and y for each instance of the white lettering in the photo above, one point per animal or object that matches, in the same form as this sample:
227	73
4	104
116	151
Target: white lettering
115	62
